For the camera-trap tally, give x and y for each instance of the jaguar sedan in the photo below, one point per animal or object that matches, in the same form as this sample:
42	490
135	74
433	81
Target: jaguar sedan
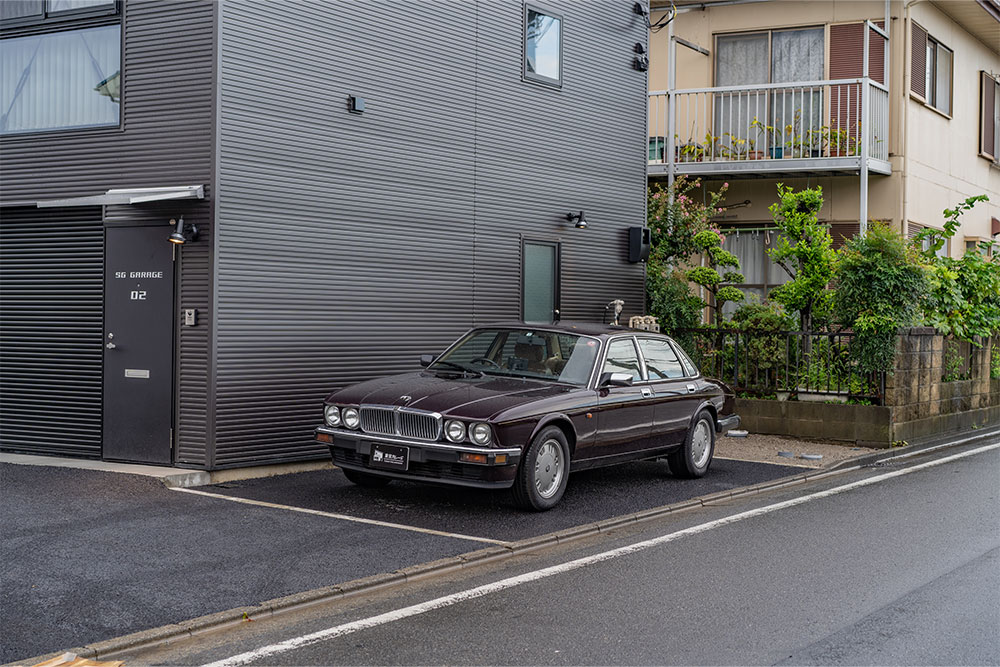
520	406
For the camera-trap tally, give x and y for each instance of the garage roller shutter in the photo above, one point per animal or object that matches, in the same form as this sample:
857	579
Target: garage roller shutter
51	330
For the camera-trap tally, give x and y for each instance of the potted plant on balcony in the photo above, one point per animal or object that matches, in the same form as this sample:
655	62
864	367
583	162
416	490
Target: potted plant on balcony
772	139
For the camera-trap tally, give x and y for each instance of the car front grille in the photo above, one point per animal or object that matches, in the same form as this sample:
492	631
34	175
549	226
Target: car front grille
404	423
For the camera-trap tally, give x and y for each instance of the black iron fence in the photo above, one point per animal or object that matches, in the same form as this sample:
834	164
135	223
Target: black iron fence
784	364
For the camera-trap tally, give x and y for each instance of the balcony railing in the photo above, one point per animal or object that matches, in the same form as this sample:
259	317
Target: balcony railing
832	124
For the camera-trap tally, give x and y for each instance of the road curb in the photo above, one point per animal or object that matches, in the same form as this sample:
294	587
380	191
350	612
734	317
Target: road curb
220	620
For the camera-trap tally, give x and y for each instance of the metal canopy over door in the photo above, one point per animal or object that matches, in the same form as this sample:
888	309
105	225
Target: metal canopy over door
138	344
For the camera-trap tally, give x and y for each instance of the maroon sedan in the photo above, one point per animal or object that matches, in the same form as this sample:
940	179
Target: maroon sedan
519	406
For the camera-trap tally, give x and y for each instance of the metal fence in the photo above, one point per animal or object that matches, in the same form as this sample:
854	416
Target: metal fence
806	365
804	120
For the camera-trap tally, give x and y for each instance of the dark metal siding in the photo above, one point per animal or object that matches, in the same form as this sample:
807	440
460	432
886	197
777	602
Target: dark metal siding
51	319
351	243
166	139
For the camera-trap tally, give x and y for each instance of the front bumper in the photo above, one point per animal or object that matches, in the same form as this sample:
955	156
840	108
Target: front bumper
436	462
728	423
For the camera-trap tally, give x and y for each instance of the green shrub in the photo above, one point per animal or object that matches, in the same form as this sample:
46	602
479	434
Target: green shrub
804	251
672	303
879	285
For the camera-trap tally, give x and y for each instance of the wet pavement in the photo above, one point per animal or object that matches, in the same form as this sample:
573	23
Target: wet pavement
93	555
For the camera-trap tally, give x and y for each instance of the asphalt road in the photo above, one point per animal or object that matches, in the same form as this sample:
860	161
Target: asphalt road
89	556
895	570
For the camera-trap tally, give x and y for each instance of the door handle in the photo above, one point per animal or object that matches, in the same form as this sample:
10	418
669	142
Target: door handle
691	388
111	346
646	392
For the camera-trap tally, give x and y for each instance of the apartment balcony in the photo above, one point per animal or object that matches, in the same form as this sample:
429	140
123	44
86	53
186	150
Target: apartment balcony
815	128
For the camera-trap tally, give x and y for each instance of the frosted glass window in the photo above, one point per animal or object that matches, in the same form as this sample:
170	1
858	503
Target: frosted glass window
61	80
542	46
540	281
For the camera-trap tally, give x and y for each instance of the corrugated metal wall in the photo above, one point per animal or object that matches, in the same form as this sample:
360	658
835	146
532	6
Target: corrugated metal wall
51	330
166	139
351	243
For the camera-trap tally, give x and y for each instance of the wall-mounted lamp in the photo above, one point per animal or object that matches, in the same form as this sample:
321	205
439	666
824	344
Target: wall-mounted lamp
581	221
184	232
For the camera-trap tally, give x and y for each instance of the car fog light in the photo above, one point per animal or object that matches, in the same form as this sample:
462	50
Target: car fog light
480	434
332	413
351	418
454	430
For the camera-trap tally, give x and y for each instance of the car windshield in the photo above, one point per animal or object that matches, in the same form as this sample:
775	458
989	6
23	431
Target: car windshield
525	353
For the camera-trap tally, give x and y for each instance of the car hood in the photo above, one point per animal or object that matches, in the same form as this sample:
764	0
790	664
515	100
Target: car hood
468	397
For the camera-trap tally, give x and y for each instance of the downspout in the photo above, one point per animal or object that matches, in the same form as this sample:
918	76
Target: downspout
907	63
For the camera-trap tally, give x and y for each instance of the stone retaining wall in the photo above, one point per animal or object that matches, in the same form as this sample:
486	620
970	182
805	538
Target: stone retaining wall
918	404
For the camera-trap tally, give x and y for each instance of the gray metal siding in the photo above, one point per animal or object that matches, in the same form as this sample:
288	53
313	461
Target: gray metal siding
51	330
351	243
166	138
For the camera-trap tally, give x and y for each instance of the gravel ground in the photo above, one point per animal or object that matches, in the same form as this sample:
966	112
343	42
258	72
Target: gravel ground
765	448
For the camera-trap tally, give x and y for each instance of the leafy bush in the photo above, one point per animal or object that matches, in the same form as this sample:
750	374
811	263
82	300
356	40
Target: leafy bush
879	283
675	217
755	315
709	241
804	250
671	301
964	298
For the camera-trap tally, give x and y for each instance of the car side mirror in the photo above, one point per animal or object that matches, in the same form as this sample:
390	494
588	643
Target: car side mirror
426	360
616	380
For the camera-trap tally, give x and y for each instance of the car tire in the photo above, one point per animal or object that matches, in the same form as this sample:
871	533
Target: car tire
364	479
695	456
544	470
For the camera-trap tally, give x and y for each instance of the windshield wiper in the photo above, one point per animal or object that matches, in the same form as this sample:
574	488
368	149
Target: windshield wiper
458	367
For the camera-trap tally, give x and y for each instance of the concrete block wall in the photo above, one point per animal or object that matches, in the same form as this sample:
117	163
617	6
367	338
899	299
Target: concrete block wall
918	403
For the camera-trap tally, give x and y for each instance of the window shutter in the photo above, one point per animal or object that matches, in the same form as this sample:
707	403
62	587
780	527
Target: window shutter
918	61
842	232
847	61
987	119
912	229
847	52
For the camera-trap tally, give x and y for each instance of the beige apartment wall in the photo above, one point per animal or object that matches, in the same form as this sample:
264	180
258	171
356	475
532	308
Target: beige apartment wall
943	165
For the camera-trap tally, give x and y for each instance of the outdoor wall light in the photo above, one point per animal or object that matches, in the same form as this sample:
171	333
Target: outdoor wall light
184	232
581	221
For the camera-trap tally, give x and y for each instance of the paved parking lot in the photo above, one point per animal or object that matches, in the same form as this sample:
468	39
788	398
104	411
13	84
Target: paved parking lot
93	555
592	495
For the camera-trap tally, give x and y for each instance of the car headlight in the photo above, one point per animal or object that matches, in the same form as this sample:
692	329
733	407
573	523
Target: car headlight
332	414
481	434
351	417
454	430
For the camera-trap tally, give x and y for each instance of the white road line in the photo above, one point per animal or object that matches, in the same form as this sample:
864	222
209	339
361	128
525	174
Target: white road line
504	584
342	517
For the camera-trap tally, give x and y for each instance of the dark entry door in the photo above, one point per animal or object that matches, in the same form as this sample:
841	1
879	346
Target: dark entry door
138	344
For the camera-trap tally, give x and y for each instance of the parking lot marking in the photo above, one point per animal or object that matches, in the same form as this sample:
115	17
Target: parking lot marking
527	577
343	517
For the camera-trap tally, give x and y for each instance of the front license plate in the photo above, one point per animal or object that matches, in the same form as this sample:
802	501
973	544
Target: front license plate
389	457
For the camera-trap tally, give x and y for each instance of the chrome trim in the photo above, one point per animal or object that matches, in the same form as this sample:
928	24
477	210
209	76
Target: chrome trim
395	411
361	435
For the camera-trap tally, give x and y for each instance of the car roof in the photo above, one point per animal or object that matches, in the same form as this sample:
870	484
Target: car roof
577	328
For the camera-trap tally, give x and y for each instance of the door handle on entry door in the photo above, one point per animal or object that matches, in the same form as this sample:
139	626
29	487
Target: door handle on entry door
110	345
